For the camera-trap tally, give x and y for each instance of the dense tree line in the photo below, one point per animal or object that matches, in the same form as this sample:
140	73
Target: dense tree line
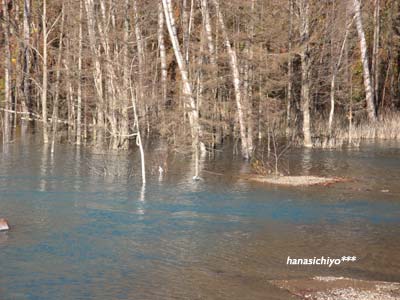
199	71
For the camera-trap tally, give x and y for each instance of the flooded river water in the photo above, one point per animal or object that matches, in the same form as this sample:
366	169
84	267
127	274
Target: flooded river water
79	234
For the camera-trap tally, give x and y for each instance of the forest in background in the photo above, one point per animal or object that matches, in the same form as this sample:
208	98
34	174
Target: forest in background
197	72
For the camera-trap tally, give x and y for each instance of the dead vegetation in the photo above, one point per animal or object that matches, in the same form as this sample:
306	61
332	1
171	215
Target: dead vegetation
387	127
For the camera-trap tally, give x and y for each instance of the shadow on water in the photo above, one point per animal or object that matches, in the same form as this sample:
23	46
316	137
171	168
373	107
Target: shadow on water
84	227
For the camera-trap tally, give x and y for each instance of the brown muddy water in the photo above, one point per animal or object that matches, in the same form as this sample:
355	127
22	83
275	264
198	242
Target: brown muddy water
80	234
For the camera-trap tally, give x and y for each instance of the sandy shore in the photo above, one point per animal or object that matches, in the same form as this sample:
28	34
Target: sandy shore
339	288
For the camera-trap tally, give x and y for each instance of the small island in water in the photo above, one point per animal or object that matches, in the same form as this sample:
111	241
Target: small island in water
296	180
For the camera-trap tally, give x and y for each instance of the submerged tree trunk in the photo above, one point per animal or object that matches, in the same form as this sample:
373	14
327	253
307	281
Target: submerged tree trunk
27	102
246	151
44	82
141	58
104	26
7	73
97	72
187	88
333	81
54	117
137	133
375	53
124	126
369	89
79	92
304	8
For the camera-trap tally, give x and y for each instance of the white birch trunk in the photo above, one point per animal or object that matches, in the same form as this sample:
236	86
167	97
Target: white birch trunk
187	89
26	104
44	81
7	72
79	92
305	71
333	81
141	61
369	89
163	55
290	70
208	31
97	73
236	83
111	88
57	87
138	135
375	53
125	93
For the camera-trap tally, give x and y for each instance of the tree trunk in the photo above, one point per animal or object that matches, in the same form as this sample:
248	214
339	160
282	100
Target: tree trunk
124	130
369	89
248	80
79	92
110	94
375	53
27	102
138	136
97	72
186	29
208	30
141	63
54	117
246	151
163	55
44	82
305	71
333	81
290	71
187	89
7	73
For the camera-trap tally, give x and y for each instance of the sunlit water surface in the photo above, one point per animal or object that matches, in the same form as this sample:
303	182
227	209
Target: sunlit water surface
79	234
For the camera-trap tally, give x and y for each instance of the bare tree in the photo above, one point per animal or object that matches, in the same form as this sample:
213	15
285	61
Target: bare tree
187	88
54	117
97	72
79	91
7	72
290	70
375	52
44	79
333	80
27	101
237	83
163	54
369	89
304	15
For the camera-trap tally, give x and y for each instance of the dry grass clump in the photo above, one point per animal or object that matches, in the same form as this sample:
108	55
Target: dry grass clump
386	128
